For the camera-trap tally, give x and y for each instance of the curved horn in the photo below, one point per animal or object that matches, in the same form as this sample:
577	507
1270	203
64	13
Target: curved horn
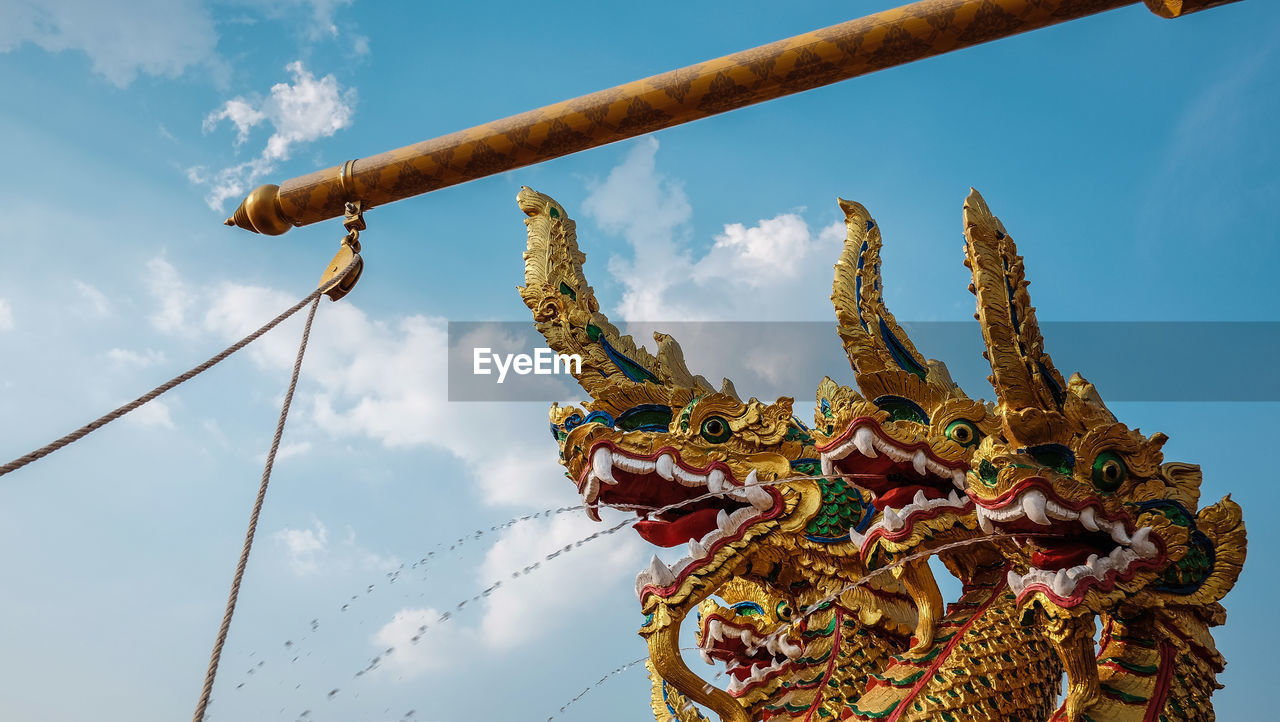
872	339
567	313
1022	373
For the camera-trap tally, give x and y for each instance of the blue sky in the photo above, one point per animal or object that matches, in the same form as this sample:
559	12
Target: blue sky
1134	158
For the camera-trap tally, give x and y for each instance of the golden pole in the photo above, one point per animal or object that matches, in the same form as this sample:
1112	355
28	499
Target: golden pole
885	39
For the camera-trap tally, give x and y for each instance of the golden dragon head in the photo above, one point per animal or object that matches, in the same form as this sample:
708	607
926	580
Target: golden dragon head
699	465
748	629
792	651
1099	516
906	436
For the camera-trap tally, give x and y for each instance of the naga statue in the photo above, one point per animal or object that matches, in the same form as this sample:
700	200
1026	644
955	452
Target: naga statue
1102	525
732	480
816	542
907	437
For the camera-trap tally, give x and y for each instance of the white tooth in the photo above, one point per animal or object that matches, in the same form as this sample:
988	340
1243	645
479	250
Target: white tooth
744	635
892	521
716	630
688	478
1087	519
643	579
635	465
957	479
716	482
1116	558
919	499
954	499
791	650
920	462
1119	535
856	537
696	550
757	673
1013	579
592	490
1058	511
666	467
828	468
1141	542
1092	563
864	440
1017	583
739	517
660	572
891	451
1062	583
758	497
722	521
710	538
707	657
602	465
753	478
1033	505
984	521
771	644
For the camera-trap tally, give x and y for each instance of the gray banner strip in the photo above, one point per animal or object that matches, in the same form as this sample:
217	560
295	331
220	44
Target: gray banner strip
1127	361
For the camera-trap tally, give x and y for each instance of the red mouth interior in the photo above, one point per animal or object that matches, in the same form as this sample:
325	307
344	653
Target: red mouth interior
732	648
674	526
1066	544
894	483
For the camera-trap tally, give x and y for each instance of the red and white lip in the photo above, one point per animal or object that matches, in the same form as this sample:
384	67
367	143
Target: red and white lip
705	507
749	658
1075	544
906	482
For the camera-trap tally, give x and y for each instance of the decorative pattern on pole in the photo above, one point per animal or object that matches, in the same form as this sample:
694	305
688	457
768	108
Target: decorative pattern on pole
878	41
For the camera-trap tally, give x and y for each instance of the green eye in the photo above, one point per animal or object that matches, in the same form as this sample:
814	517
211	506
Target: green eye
962	432
715	429
988	473
1109	471
784	611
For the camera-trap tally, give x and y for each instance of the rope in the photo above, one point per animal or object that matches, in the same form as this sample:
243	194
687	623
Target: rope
216	656
92	426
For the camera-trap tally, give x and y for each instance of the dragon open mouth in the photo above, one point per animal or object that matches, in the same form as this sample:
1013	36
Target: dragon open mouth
749	658
1071	546
906	483
646	483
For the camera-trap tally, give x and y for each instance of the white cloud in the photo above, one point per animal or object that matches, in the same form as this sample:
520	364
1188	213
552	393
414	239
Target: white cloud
557	585
768	271
295	449
6	315
241	114
299	112
171	293
152	414
96	304
121	39
438	647
143	359
388	381
308	551
304	548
